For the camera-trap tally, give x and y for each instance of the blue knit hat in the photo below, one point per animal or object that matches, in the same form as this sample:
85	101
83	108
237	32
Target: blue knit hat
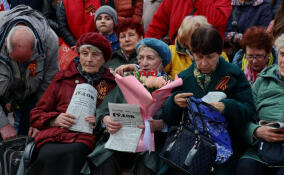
159	46
107	10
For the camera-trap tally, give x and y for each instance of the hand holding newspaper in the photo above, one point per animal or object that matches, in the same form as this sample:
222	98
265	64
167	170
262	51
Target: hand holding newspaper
83	104
127	138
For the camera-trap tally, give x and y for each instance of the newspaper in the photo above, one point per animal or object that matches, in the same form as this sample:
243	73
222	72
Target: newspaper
127	138
83	104
214	96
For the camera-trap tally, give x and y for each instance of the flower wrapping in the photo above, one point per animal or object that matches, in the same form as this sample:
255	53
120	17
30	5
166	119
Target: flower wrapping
135	93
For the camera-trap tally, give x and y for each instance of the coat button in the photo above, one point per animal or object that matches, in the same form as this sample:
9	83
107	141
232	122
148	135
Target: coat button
76	81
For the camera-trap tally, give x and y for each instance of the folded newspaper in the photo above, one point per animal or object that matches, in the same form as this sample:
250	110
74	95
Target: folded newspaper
83	104
213	96
272	124
127	138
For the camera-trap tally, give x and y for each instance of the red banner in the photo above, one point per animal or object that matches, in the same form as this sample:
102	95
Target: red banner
66	56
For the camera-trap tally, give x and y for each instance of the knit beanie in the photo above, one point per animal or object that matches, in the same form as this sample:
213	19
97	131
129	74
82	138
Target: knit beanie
107	10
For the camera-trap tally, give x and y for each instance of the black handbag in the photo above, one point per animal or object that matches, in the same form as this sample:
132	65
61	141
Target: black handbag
187	150
11	152
271	152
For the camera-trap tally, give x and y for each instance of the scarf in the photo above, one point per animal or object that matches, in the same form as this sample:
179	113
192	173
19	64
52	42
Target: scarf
250	74
90	77
202	79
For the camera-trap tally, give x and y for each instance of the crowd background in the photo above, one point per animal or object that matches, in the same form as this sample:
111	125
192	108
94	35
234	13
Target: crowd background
244	41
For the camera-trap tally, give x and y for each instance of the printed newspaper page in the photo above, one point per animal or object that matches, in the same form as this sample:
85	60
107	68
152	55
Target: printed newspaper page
127	138
83	104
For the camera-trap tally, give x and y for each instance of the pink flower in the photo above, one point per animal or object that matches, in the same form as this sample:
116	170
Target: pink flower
155	82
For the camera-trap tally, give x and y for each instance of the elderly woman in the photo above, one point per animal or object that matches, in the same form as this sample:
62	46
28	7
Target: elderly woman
209	73
181	56
128	33
153	55
61	151
268	93
256	53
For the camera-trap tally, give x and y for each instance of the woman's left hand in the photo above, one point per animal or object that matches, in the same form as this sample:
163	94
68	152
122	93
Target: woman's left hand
91	119
220	106
155	125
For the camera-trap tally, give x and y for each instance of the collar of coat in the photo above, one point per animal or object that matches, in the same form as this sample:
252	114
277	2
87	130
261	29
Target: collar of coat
72	72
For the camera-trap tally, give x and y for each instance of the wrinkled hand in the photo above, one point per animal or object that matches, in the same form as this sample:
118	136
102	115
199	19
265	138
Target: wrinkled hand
91	119
63	120
8	132
111	126
155	125
125	68
220	106
269	134
180	100
33	132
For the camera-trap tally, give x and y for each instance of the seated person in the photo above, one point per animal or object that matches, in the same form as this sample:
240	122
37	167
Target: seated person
153	54
268	94
61	151
106	21
210	72
256	53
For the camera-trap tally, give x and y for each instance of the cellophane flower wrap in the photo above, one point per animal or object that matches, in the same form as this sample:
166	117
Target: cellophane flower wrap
135	92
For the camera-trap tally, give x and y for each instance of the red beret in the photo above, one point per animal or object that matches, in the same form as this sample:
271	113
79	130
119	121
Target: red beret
97	40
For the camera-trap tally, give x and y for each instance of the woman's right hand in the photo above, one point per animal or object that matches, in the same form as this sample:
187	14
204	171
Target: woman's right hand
180	99
269	134
125	68
63	120
111	126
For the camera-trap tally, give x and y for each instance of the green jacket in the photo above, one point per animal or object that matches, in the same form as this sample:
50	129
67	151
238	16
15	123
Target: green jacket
119	59
100	154
239	106
268	94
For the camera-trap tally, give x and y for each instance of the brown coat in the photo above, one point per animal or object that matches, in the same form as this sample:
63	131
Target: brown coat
128	9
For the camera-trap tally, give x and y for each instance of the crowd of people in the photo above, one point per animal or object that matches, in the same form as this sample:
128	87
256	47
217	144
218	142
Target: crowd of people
235	47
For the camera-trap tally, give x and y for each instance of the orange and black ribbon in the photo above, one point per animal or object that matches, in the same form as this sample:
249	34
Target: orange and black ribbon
223	84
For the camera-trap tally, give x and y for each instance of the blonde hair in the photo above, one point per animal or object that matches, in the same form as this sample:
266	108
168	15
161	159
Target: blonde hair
188	26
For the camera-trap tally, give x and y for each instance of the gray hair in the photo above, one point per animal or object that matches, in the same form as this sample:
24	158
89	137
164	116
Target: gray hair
144	46
90	47
279	42
11	45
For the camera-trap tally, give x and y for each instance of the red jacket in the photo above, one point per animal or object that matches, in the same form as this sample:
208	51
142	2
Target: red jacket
56	100
171	13
80	15
127	9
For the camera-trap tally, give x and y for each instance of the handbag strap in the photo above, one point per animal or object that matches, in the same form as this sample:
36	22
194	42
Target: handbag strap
194	116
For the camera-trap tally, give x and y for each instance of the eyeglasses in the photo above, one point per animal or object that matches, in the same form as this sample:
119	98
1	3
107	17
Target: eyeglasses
258	57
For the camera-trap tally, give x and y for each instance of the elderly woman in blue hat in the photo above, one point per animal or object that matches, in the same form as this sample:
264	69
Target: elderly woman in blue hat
153	56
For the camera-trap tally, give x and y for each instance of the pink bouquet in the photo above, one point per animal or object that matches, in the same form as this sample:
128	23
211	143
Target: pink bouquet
135	93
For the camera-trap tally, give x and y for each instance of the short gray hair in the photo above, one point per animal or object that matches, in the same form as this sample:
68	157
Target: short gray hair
90	47
279	42
10	44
